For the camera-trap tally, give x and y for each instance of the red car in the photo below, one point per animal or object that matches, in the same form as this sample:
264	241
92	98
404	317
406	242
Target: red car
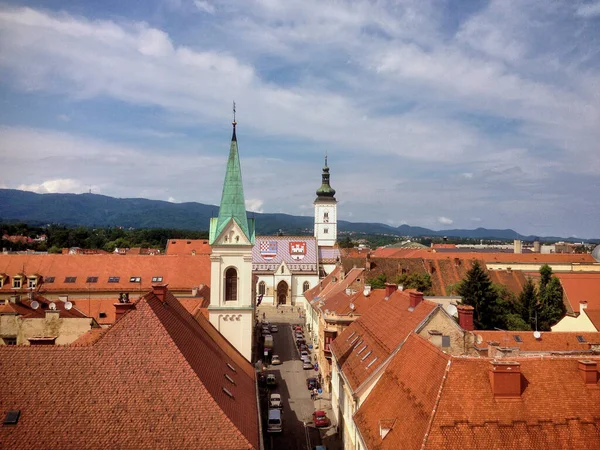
320	419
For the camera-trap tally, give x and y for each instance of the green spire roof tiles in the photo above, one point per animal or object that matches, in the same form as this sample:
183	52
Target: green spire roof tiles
325	191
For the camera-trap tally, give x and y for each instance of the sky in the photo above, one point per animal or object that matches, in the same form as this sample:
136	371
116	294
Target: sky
433	113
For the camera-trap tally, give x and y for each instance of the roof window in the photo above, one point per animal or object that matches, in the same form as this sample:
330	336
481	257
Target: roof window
91	280
49	280
12	417
102	315
358	343
113	279
372	362
581	339
135	279
354	340
70	279
362	350
366	355
349	337
157	279
517	338
231	367
230	379
228	392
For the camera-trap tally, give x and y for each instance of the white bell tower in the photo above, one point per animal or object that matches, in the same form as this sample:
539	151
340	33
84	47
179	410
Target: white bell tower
325	212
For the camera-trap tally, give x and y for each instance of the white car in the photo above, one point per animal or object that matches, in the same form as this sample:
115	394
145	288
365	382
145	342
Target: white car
305	358
275	401
304	353
307	365
275	361
274	329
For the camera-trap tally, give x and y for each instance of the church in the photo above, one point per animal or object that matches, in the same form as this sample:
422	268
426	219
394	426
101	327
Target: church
247	269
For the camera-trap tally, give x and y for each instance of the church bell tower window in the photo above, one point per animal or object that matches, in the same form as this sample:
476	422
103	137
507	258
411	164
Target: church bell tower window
231	282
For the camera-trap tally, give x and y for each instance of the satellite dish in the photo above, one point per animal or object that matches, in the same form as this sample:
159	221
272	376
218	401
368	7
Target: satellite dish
35	304
52	306
68	305
596	253
537	334
352	306
452	310
400	288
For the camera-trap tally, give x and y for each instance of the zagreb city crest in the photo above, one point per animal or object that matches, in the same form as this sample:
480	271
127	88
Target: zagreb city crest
297	250
268	250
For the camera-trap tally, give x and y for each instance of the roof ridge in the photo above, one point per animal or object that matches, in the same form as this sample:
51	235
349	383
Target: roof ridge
436	404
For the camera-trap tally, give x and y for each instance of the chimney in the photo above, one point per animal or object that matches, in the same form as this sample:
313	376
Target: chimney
195	291
582	305
505	378
465	317
415	297
367	290
518	246
121	308
348	291
589	372
390	288
160	290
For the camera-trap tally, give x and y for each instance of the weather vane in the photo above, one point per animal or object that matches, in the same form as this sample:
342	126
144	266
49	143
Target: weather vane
234	122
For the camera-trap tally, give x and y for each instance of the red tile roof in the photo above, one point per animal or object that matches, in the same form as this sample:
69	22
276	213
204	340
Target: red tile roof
92	307
179	272
326	285
579	287
594	316
154	380
377	333
557	341
188	247
23	308
435	401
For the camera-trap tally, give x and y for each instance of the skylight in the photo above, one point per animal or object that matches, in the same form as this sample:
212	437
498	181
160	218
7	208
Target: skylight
362	350
581	339
354	340
229	379
228	392
91	280
135	279
12	417
372	362
517	338
157	279
113	279
366	355
350	337
358	343
70	279
231	367
49	280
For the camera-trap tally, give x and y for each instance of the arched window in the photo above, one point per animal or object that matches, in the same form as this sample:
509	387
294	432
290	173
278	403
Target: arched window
305	286
231	284
262	287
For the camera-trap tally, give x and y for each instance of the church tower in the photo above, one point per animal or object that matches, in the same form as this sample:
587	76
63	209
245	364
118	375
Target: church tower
231	308
325	212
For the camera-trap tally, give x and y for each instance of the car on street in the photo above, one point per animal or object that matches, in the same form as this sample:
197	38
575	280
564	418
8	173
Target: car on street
271	380
304	353
274	329
320	419
312	383
297	328
305	359
275	401
299	335
275	361
305	365
303	348
274	424
299	342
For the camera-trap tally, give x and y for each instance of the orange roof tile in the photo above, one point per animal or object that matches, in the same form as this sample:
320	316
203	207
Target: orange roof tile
23	308
364	345
179	272
594	316
557	341
155	379
432	400
97	307
188	247
581	287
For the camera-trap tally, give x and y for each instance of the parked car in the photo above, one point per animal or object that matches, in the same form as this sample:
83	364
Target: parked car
306	365
297	328
275	401
303	348
275	361
320	419
305	359
312	383
274	329
299	342
304	353
299	335
274	424
271	380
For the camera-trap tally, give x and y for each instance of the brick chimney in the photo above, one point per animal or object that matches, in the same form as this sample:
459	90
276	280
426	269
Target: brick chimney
121	309
465	317
505	378
390	288
367	290
160	290
588	370
582	305
415	297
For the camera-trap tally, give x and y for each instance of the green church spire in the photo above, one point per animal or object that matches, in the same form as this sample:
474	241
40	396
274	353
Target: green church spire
325	192
232	200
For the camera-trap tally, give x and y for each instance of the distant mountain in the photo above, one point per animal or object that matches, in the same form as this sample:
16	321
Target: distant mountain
93	210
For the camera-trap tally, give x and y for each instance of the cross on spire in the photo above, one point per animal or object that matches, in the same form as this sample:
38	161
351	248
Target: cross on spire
234	122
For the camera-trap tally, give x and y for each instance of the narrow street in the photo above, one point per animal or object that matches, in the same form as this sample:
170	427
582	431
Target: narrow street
299	432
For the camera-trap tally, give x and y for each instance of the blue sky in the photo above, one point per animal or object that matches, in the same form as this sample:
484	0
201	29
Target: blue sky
434	113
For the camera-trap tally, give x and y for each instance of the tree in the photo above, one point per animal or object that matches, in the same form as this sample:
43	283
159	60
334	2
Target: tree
528	300
419	281
345	242
477	290
378	282
551	305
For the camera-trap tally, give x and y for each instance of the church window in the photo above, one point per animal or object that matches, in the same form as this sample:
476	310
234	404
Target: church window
231	284
262	287
282	269
326	231
326	217
305	286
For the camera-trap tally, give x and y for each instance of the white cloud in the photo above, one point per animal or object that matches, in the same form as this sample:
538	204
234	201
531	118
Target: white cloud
445	220
588	10
254	205
67	185
204	6
172	200
476	219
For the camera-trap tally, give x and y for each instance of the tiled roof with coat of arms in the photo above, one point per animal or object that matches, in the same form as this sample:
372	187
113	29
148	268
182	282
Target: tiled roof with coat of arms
299	253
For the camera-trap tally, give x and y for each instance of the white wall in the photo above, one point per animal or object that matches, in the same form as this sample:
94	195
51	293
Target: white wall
325	239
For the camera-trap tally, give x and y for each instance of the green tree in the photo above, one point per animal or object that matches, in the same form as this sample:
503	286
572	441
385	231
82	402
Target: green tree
551	306
528	300
378	282
419	281
345	242
55	249
477	290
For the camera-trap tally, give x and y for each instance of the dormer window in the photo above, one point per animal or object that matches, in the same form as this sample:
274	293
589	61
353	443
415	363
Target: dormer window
32	282
16	284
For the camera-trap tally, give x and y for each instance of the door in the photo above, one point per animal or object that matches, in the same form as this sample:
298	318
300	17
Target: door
282	293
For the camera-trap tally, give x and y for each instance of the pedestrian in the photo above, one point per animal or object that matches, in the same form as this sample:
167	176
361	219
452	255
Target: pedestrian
315	393
312	395
263	316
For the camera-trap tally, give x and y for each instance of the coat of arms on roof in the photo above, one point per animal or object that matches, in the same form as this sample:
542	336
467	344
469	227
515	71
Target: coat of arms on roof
268	249
297	250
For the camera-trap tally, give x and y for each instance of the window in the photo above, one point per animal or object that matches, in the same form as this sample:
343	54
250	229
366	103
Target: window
282	269
113	279
326	217
91	280
445	341
231	284
157	279
262	287
581	339
366	355
326	231
135	279
16	283
10	340
305	286
31	282
102	315
372	362
49	280
517	338
70	279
